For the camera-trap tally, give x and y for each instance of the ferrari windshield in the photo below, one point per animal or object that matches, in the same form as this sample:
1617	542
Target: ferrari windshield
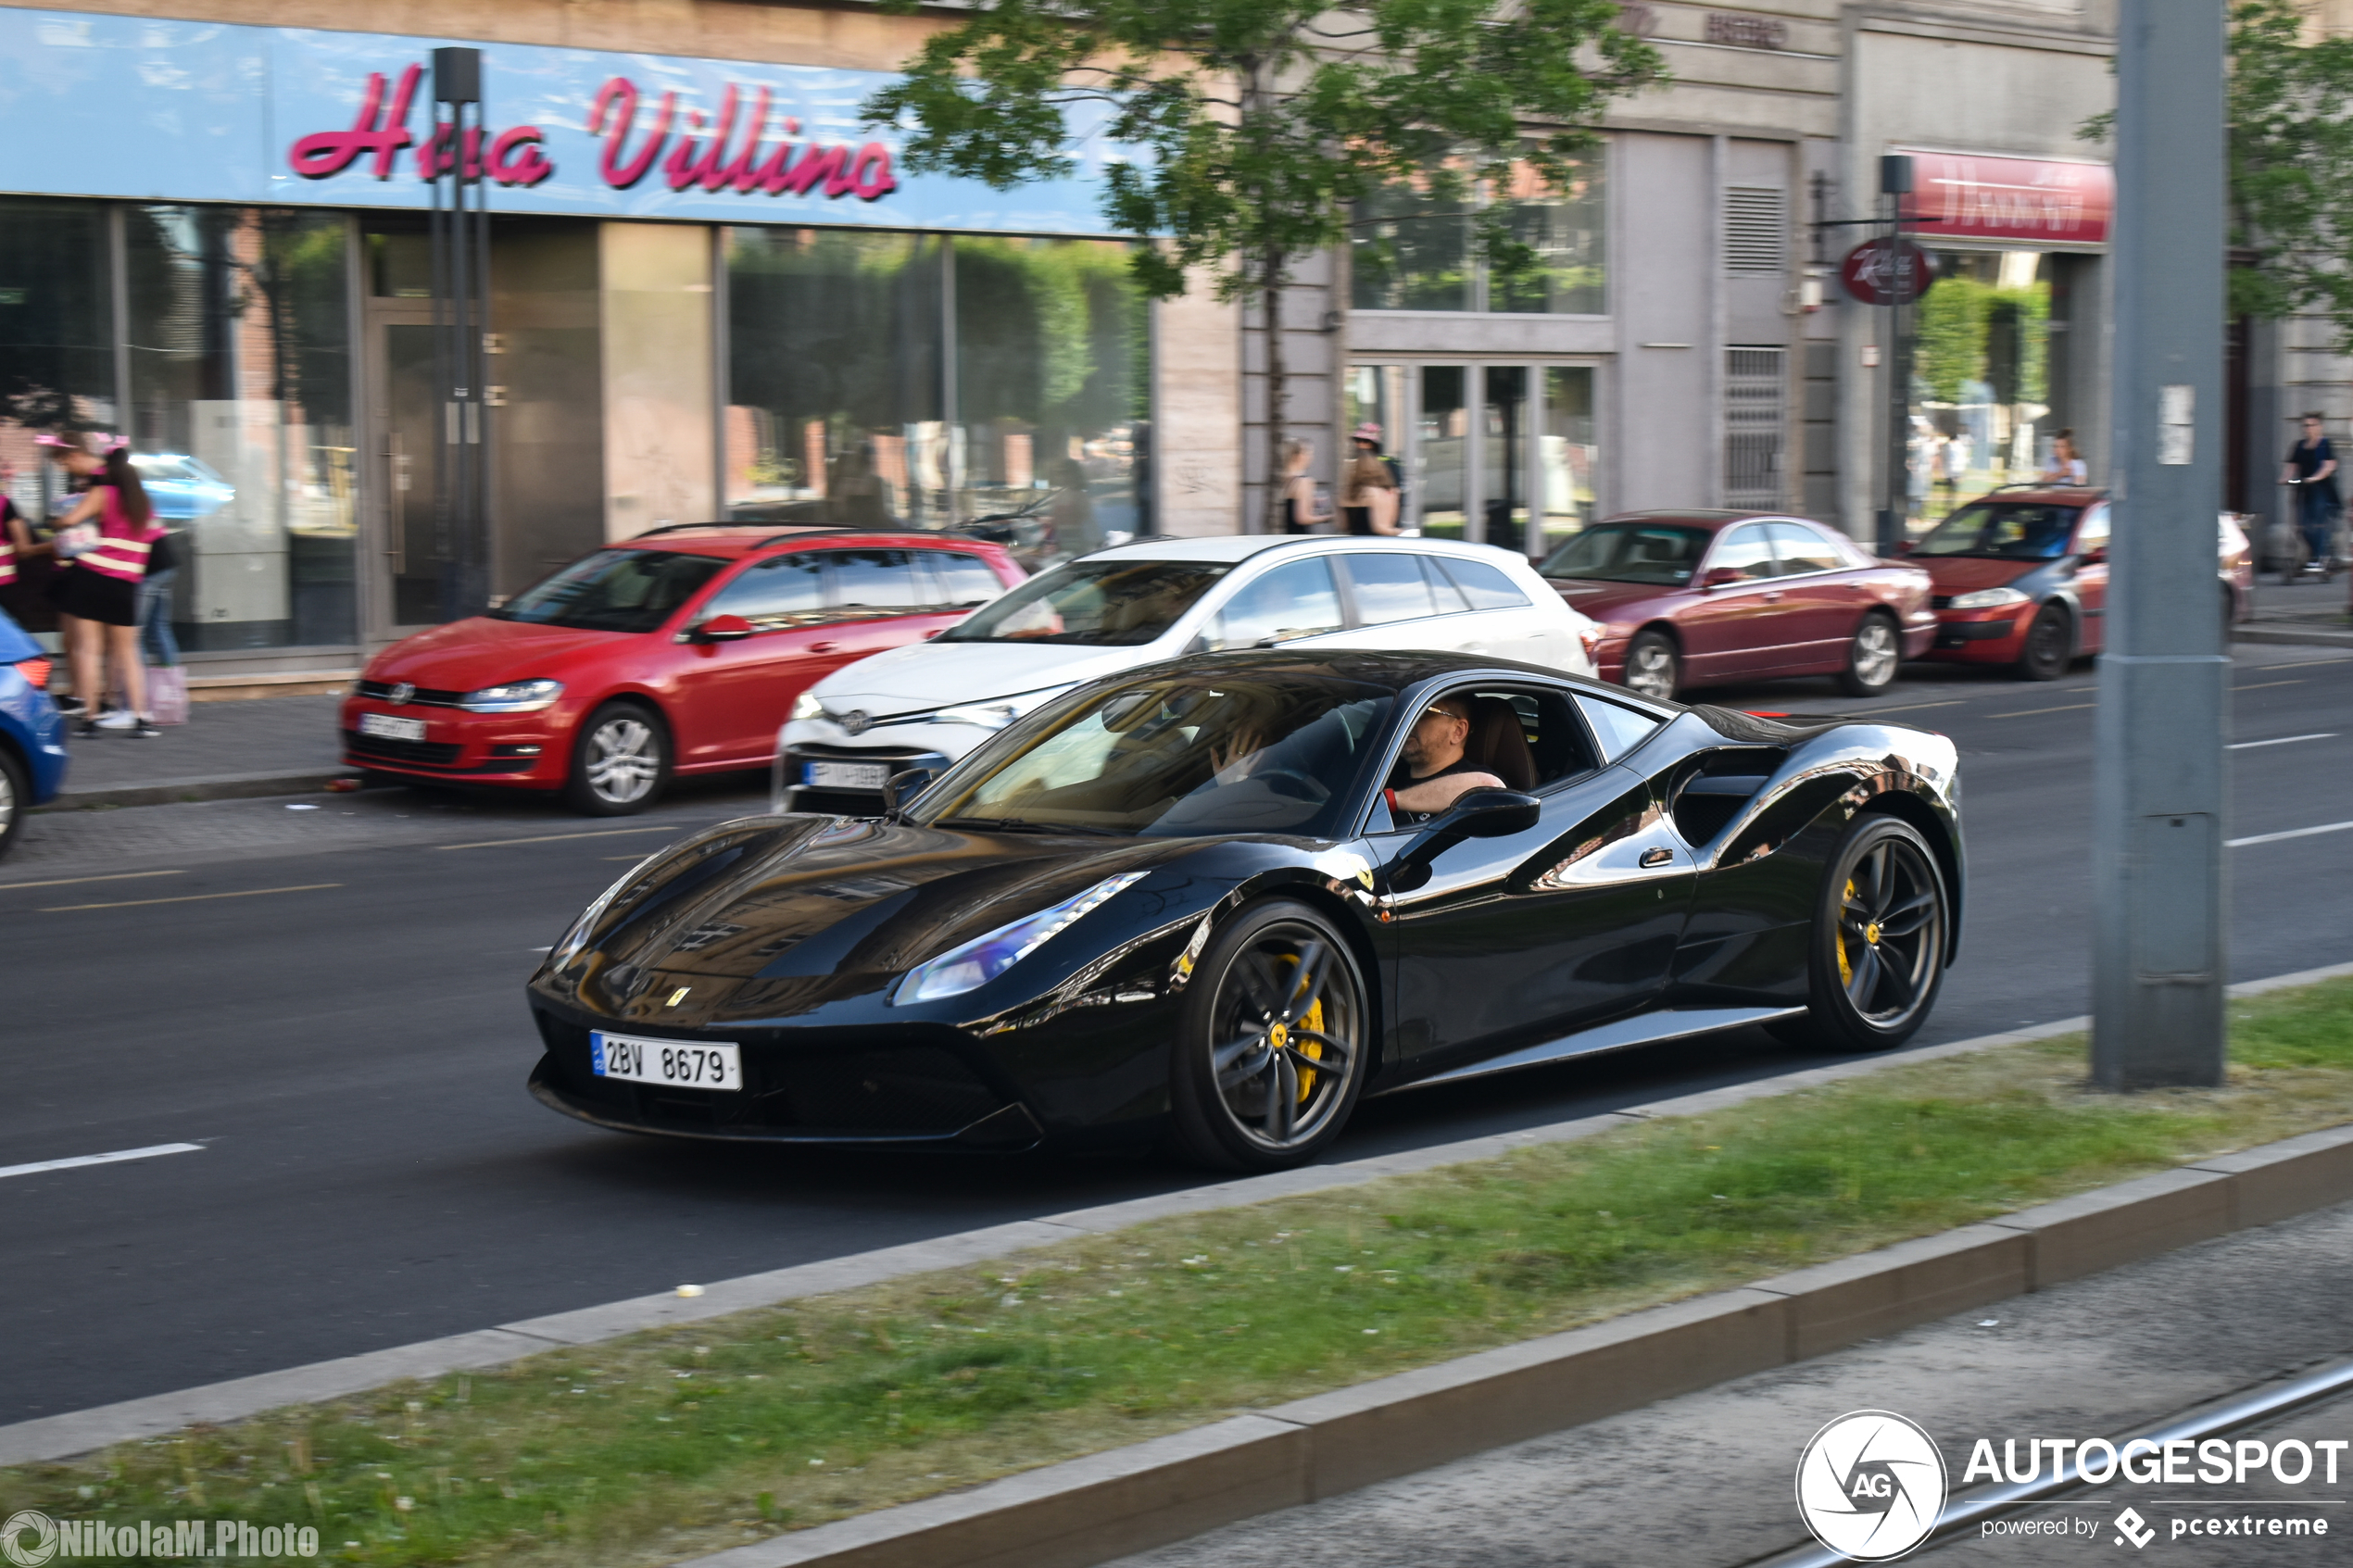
613	591
1244	752
1631	552
2004	531
1106	603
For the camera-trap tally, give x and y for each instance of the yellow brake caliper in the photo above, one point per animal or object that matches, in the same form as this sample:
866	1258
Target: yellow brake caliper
1312	1020
1845	970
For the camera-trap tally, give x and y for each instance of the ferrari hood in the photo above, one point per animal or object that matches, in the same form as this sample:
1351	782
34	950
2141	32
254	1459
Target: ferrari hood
773	917
927	675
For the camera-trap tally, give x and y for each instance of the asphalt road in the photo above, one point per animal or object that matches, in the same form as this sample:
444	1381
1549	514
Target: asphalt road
328	1002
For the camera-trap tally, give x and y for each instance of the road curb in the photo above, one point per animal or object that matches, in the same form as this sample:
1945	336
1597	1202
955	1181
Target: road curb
1064	1517
2265	1182
168	792
2293	636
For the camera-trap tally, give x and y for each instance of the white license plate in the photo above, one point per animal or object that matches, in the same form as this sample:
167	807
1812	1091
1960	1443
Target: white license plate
686	1064
844	775
390	728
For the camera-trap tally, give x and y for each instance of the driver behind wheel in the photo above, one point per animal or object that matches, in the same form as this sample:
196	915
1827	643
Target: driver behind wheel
1433	772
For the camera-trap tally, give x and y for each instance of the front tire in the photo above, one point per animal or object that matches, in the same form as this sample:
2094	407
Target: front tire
15	799
2050	646
1873	658
1880	932
1653	668
619	761
1273	1042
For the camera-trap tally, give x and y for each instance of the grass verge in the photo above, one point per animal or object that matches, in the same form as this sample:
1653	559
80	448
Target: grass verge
663	1445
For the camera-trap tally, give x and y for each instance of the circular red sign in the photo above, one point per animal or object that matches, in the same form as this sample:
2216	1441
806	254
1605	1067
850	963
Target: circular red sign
1879	273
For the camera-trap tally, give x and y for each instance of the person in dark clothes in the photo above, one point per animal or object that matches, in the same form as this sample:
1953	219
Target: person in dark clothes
2311	470
1433	772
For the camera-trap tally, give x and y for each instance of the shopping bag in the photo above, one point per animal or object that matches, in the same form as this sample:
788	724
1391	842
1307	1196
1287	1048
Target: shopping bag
168	692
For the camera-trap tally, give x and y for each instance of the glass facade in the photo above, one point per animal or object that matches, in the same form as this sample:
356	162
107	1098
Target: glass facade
1526	465
1415	248
1988	397
911	380
56	343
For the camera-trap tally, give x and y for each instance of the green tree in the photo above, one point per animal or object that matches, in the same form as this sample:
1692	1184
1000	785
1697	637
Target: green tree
1258	123
2290	107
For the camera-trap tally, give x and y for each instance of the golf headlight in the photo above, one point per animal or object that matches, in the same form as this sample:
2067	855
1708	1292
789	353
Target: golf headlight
1986	599
516	697
996	715
806	706
983	959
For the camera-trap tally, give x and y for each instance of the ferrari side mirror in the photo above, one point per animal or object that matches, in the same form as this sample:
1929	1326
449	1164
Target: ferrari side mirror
900	788
1486	812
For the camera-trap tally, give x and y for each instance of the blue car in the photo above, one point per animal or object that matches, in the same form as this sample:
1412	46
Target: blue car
32	734
182	488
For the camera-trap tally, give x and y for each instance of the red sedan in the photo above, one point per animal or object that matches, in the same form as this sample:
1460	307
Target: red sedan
2022	577
680	651
1695	598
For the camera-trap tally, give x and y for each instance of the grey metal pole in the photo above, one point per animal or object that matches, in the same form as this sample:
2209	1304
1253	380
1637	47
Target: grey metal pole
1894	185
2160	949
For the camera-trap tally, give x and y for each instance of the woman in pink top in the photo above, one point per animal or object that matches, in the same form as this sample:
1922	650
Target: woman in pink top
106	537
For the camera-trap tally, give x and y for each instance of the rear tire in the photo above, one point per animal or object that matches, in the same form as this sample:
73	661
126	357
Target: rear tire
619	761
1873	657
1653	668
15	798
1273	1042
2050	646
1882	927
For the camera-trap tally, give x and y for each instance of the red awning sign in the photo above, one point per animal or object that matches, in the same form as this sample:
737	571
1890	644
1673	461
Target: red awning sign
2032	201
1875	274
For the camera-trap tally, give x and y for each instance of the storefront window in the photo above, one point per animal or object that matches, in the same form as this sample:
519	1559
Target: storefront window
834	370
1417	248
1567	453
240	417
56	343
1985	407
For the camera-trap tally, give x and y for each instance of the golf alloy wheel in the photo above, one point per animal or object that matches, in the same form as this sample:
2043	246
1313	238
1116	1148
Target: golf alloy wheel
1273	1052
619	763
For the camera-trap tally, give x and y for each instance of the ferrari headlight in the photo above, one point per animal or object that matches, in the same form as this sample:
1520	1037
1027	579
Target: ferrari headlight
515	696
1986	599
806	706
983	958
1003	711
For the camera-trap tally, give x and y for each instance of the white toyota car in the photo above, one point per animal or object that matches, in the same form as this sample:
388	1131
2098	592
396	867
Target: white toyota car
927	703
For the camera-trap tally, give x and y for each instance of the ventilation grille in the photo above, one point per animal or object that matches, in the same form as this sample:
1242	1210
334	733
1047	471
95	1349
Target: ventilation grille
1756	425
1756	228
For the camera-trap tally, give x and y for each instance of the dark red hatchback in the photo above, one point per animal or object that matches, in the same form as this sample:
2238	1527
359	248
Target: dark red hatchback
1699	598
680	651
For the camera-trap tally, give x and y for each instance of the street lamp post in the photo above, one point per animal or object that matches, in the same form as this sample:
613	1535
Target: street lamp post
460	245
2158	953
1902	289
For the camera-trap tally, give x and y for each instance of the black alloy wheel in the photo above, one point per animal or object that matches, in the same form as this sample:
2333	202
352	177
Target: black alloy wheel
1271	1044
2050	645
1873	657
1653	668
1879	937
15	798
619	761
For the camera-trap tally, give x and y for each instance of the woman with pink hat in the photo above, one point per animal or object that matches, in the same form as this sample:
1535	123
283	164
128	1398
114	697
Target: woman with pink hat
1367	488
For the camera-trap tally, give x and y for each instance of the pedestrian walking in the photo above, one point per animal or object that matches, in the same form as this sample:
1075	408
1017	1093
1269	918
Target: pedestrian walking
105	540
2311	474
1304	510
1367	487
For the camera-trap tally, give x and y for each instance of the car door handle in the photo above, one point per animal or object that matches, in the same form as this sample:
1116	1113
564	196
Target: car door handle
1773	598
1655	857
823	648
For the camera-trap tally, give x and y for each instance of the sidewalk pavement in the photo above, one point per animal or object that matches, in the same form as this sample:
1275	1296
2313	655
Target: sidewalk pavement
2302	612
274	746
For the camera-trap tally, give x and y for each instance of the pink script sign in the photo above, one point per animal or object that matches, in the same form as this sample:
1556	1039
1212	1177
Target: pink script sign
2009	199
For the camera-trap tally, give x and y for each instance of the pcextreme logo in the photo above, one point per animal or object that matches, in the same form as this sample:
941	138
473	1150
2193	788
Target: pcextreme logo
1871	1486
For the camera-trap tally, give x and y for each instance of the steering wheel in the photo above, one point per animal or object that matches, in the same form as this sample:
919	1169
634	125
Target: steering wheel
1306	786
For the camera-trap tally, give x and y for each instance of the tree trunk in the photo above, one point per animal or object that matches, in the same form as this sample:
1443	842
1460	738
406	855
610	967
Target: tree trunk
1278	481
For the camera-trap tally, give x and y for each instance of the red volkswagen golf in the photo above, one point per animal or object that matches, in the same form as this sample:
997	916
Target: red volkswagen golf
679	652
1696	598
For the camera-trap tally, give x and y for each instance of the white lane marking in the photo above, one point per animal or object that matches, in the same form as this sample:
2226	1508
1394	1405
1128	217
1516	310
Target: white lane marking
2283	740
546	950
188	899
555	837
2263	685
70	881
2302	663
148	1153
2025	713
2292	833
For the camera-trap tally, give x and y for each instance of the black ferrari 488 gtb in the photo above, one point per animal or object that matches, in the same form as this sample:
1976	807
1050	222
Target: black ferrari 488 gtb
1182	903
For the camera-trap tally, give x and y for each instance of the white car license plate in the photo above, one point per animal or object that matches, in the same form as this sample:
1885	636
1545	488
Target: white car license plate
844	775
390	728
686	1065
